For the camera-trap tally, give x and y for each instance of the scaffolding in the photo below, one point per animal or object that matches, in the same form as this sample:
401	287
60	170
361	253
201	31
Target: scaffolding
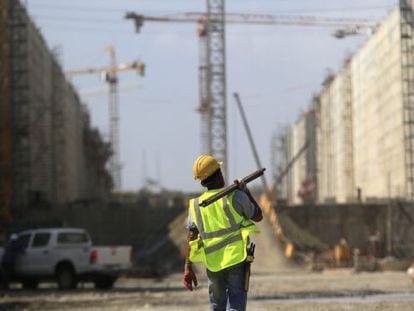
407	75
19	103
44	158
6	178
59	180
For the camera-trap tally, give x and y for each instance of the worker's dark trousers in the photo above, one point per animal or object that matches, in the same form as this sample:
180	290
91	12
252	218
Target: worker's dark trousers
226	289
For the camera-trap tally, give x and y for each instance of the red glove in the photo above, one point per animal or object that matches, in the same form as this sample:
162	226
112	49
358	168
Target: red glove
241	185
189	279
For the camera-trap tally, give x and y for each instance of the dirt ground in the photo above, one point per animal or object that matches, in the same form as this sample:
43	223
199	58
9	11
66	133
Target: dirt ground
328	290
275	284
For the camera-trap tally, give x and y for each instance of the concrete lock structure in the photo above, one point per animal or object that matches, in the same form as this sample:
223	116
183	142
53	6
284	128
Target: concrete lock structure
50	154
363	125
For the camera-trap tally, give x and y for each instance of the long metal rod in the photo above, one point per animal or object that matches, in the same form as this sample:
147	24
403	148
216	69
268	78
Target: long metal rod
250	137
232	187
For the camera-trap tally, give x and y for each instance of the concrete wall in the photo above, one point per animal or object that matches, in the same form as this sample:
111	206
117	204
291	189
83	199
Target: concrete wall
54	161
377	113
335	146
299	167
310	188
362	139
325	141
357	222
40	88
288	180
156	232
330	223
304	168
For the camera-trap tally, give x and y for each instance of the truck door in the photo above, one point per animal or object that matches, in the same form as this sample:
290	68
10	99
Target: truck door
23	261
40	257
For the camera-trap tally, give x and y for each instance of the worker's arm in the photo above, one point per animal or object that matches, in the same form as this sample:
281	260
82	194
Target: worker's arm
257	214
189	275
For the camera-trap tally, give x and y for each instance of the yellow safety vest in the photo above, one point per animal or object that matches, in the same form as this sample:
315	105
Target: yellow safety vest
223	233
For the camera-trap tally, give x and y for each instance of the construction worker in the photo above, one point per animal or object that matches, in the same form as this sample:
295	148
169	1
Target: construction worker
218	235
8	261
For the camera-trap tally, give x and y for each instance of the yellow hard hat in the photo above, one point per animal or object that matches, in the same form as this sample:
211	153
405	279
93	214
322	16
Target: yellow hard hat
204	166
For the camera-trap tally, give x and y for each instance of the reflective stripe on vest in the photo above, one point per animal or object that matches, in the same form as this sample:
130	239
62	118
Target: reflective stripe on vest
215	234
219	245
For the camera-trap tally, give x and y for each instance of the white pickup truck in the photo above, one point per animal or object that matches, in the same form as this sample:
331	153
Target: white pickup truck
67	256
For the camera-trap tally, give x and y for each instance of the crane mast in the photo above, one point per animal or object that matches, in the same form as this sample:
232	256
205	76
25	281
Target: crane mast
204	107
216	80
113	104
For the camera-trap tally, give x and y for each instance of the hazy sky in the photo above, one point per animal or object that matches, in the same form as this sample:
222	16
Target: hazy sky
275	70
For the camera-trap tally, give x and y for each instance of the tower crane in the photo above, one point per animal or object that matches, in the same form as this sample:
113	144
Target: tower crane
212	67
109	74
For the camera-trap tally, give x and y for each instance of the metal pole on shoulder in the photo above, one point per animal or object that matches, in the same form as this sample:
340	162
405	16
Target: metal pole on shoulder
232	187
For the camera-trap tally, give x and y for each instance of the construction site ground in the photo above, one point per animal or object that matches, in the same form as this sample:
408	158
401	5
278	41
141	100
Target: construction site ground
301	290
276	284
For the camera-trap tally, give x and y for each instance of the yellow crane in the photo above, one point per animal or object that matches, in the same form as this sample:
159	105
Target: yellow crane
109	74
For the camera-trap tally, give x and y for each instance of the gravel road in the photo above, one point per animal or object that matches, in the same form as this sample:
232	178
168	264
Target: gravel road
328	290
275	285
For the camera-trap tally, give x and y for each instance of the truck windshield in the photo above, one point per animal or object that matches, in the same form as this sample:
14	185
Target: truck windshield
72	237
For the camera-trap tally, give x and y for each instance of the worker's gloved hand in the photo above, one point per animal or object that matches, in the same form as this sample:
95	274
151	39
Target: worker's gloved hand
241	185
189	278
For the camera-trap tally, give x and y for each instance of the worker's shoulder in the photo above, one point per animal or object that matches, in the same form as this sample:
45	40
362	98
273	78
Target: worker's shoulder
194	197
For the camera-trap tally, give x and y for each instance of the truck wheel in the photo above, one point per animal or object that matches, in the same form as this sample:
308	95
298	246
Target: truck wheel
104	282
65	277
30	283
